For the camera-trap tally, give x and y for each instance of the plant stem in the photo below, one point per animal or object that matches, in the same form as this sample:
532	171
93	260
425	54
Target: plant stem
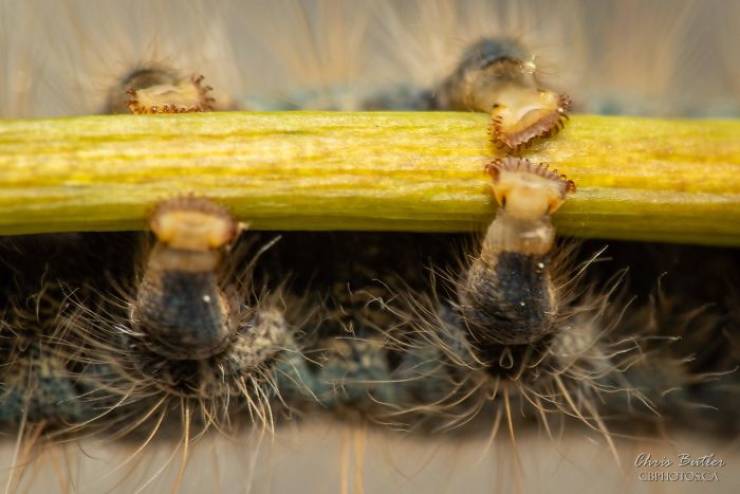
637	178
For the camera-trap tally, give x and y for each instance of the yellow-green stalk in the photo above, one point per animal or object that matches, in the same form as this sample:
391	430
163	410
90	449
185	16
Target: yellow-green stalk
637	178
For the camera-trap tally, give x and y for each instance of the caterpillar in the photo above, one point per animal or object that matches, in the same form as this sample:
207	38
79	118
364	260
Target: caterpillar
374	337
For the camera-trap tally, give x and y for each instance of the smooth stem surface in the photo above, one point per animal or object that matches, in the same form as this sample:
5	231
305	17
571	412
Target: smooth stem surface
637	178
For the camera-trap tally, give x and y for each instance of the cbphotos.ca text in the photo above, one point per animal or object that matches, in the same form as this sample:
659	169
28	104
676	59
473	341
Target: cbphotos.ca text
681	467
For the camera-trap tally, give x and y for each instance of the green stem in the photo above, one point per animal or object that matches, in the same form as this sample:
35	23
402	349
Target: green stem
637	178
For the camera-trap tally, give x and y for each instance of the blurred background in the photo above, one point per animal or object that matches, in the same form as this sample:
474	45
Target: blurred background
640	57
329	457
656	57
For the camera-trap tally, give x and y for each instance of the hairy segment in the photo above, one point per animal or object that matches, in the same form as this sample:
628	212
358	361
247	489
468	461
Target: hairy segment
498	76
179	303
191	331
508	295
155	88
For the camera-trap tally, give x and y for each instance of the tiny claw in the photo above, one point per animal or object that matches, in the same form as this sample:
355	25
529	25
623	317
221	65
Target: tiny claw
193	223
523	115
185	96
528	190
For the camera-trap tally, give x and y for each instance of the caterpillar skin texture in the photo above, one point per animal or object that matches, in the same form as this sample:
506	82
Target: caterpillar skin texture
496	75
41	381
506	330
37	386
192	332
